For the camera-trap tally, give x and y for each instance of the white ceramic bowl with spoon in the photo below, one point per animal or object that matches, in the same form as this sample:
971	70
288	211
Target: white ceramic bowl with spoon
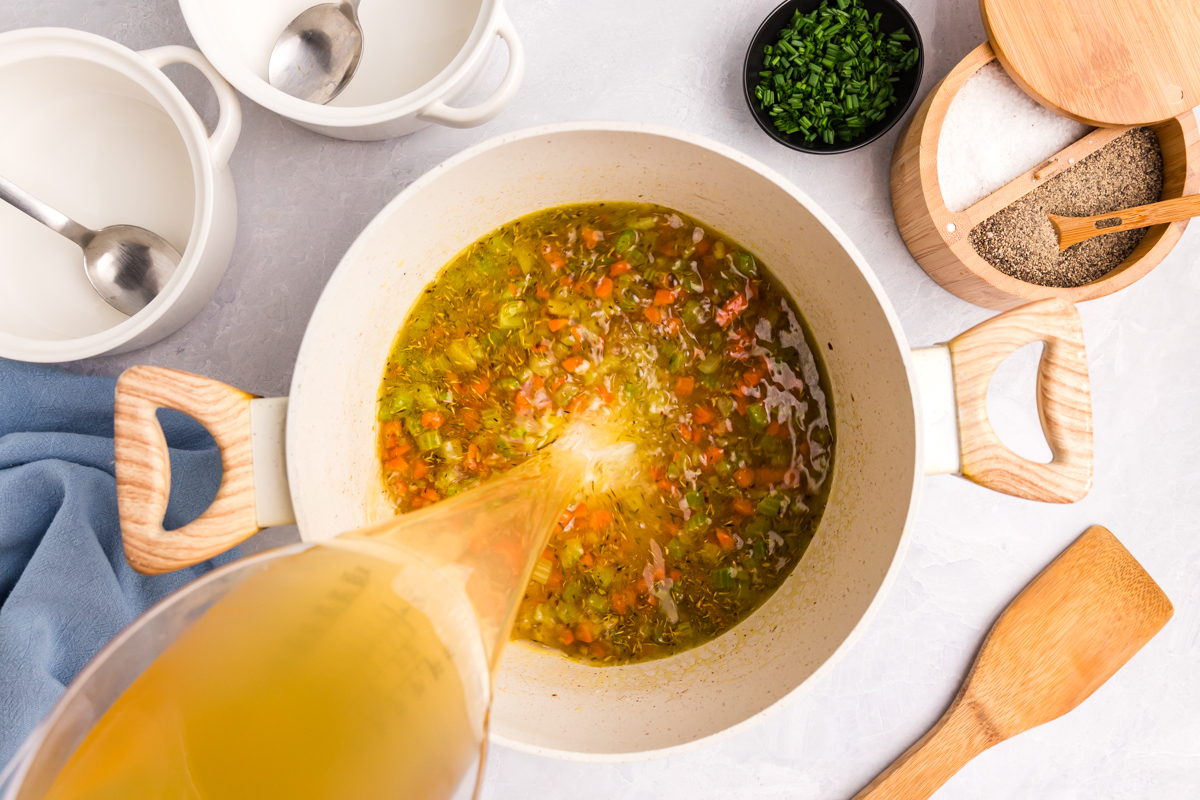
419	57
98	132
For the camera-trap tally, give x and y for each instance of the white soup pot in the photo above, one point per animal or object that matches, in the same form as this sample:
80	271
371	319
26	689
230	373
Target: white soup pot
899	415
419	57
99	132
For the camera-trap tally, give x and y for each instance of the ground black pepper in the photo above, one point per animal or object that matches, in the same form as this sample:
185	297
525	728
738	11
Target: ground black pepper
1020	241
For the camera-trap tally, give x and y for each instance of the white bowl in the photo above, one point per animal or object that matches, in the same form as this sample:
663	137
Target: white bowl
418	57
98	132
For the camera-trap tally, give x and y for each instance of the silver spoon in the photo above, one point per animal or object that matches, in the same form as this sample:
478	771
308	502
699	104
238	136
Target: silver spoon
317	54
127	265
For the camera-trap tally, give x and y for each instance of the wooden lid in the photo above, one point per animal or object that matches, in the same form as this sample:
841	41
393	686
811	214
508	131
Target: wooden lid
1103	62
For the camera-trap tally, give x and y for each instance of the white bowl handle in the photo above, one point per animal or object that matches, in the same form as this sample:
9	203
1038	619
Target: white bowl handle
229	126
439	112
954	378
254	490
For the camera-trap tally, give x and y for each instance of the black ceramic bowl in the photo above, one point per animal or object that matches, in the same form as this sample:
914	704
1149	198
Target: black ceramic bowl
894	16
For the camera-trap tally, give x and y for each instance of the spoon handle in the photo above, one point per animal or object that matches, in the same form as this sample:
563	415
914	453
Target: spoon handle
1072	230
55	221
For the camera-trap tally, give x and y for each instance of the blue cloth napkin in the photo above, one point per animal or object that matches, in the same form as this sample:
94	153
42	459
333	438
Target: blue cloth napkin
65	587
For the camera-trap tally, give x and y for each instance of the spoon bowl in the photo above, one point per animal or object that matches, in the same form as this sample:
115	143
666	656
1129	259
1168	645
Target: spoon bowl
129	266
318	52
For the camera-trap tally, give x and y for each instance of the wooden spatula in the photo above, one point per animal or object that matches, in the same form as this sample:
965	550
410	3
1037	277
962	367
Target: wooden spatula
1073	230
1067	633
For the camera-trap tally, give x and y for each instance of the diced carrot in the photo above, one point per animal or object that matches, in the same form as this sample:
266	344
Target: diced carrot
542	292
697	435
672	325
567	636
601	519
580	512
397	464
598	650
619	602
685	431
666	486
392	428
725	540
553	257
584	632
481	385
514	290
566	517
587	560
522	403
702	246
664	297
769	477
418	502
652	313
604	287
773	429
685	385
714	454
744	477
742	404
432	419
753	377
591	236
431	495
733	307
676	574
578	403
703	415
470	419
557	325
743	506
574	364
605	394
619	268
555	582
419	469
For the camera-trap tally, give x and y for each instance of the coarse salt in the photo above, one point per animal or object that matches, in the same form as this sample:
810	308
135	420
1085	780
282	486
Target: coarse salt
994	132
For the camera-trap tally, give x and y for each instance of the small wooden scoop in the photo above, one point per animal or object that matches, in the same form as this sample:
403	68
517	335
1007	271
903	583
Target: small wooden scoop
1073	627
1073	230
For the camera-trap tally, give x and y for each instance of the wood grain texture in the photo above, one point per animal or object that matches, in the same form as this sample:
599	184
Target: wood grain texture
1073	230
1068	632
939	239
1063	397
1103	62
143	468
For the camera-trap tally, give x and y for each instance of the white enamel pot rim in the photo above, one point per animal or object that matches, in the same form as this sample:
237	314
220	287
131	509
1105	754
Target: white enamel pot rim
425	104
898	416
214	221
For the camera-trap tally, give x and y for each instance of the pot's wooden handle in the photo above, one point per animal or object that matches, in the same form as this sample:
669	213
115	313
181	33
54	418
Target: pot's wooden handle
1063	396
143	468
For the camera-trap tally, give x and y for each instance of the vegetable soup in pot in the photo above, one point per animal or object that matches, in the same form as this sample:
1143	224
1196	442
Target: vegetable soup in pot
701	360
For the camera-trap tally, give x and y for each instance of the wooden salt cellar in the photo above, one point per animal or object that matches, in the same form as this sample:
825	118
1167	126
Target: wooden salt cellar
939	239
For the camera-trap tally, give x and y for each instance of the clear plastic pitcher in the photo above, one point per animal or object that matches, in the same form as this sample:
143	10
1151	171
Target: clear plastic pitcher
358	667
